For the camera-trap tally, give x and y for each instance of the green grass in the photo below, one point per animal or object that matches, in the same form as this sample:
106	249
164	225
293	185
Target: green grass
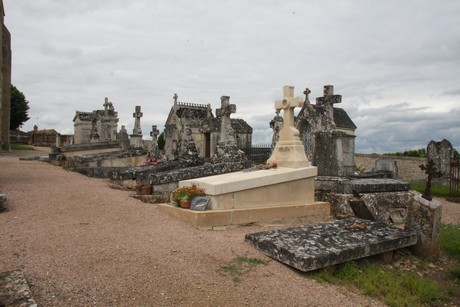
239	266
450	244
436	189
394	287
397	287
21	147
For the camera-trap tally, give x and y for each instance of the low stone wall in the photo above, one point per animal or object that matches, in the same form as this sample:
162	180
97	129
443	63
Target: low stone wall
408	167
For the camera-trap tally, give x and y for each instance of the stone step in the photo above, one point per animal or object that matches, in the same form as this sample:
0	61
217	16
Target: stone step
312	247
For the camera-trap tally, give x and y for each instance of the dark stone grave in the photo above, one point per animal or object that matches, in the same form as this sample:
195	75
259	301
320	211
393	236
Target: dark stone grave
312	247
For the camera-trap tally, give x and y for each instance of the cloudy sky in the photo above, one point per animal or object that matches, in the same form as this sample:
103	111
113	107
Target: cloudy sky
395	63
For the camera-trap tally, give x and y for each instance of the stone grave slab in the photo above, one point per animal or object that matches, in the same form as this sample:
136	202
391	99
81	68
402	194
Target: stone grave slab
312	247
373	185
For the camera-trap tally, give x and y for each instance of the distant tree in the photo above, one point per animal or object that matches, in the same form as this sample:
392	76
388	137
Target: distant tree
421	153
19	108
161	141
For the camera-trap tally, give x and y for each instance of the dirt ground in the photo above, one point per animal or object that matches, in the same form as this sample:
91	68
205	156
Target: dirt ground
80	243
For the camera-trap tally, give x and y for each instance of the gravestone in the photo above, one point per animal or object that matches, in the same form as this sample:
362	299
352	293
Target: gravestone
123	137
289	150
136	137
155	151
441	153
226	149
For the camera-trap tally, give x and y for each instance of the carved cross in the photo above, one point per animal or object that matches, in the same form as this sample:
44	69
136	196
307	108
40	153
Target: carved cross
137	120
154	133
432	172
329	98
106	103
288	103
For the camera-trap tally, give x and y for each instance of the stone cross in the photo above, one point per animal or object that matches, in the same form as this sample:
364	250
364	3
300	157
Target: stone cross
329	98
288	103
154	133
226	109
106	103
432	172
137	120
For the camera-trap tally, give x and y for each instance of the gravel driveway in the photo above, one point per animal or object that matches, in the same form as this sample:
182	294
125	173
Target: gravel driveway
80	243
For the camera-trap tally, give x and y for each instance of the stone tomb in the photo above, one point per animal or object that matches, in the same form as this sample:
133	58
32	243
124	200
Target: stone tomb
282	195
312	247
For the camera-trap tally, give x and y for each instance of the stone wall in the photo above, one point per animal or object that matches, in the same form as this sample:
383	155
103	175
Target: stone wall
408	167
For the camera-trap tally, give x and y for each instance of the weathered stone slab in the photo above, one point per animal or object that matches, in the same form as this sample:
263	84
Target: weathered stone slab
14	290
370	185
311	247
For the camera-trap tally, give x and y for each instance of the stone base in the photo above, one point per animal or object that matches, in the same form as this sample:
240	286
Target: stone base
261	188
291	214
289	154
312	247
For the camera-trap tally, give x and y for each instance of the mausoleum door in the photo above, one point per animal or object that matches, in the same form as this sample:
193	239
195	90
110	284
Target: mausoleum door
207	145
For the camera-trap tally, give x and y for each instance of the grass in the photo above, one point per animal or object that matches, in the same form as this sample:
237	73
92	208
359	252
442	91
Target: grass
239	266
21	147
450	244
398	287
394	287
436	189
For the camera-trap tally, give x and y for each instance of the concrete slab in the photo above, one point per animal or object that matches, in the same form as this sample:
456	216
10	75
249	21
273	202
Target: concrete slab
312	247
287	214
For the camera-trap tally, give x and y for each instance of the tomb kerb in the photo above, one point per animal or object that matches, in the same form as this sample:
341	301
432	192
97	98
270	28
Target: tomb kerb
289	150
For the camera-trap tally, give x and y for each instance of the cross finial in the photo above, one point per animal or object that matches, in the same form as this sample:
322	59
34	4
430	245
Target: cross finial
106	103
175	98
307	92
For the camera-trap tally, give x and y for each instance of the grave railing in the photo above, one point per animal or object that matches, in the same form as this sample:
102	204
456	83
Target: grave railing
258	154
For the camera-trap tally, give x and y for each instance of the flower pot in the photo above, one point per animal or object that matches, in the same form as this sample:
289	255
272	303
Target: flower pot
146	190
185	204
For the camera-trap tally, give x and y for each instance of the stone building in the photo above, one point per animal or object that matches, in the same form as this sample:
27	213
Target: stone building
99	126
195	122
5	82
327	132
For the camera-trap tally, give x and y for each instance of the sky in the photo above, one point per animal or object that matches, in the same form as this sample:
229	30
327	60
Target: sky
395	63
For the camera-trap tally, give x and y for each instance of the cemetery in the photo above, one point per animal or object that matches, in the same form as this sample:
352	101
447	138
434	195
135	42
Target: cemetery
309	178
315	209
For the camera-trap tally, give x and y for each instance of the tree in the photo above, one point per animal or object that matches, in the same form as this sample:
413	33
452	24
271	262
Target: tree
19	108
161	141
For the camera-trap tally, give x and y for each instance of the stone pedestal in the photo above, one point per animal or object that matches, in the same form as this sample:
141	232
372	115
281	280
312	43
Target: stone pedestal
424	219
135	141
289	154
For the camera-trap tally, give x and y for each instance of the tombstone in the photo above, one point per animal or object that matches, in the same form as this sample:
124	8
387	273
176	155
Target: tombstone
388	166
441	153
136	137
155	151
226	148
289	150
328	134
123	137
227	135
276	124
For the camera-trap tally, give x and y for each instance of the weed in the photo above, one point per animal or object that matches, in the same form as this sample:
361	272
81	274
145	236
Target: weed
21	147
239	266
394	287
450	240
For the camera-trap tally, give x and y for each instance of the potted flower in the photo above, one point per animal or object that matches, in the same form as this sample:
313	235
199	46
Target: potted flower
183	196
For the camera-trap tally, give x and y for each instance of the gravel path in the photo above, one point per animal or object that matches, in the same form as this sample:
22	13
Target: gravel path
80	243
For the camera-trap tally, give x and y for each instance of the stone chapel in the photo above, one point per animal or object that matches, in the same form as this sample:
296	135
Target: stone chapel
196	122
99	126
